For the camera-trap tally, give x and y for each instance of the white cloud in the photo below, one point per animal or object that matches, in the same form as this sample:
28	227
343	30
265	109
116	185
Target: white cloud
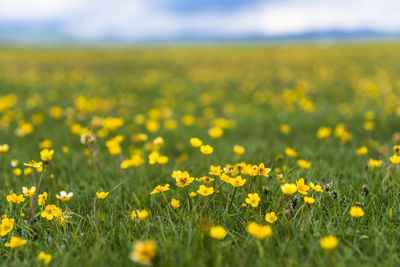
297	16
143	19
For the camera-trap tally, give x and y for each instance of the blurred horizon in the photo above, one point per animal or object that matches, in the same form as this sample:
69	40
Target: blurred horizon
141	21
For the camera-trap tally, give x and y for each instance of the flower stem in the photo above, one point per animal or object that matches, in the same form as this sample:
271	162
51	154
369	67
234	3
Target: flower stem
189	200
211	197
233	196
35	197
227	199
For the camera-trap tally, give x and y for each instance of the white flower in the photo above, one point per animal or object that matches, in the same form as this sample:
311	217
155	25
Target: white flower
29	192
64	197
14	163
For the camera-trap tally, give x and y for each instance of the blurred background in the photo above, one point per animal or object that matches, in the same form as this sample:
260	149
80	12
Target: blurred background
160	21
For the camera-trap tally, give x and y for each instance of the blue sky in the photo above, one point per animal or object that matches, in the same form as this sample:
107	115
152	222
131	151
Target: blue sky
140	20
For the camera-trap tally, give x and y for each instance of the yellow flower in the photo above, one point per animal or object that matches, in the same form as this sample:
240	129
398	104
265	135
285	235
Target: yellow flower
206	149
27	171
304	164
253	171
205	191
395	159
369	125
102	195
215	132
51	212
42	199
6	226
229	169
205	179
125	164
162	160
195	142
236	182
253	199
113	145
64	197
15	242
369	115
375	163
113	124
289	189
238	149
45	144
192	194
225	178
65	149
329	242
396	149
259	231
215	170
324	132
17	171
170	124
61	220
340	130
362	150
284	128
291	153
184	180
262	170
139	214
279	157
280	178
29	192
44	258
158	142
34	164
56	112
15	199
218	232
346	137
188	120
160	188
143	251
178	174
356	212
4	148
87	137
242	167
302	187
271	217
139	119
175	203
24	128
46	155
153	157
309	200
316	188
137	160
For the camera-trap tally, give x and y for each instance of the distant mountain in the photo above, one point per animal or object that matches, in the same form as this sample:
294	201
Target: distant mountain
335	34
56	33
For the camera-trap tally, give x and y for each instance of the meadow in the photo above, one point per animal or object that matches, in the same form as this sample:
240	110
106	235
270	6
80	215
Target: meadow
235	155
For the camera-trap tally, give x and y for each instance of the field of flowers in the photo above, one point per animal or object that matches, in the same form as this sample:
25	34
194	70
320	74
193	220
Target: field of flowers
200	156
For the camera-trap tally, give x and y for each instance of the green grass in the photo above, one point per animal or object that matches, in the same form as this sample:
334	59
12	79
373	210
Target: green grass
247	86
